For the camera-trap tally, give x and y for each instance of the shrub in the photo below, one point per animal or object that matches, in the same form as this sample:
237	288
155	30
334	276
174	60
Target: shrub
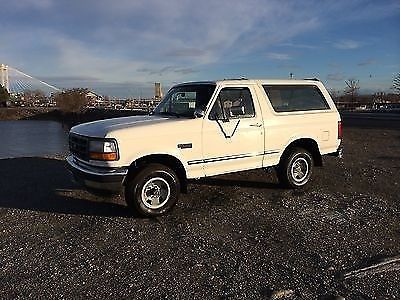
74	100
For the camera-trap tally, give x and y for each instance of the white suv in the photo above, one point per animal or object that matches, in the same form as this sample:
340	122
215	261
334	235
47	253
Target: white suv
203	129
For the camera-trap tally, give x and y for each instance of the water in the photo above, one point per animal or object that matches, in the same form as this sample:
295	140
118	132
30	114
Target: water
32	138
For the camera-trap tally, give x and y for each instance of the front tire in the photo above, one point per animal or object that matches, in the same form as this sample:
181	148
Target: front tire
295	168
153	191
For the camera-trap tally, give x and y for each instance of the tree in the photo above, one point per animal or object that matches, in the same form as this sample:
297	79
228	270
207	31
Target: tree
38	96
4	95
34	98
334	94
73	100
396	84
352	87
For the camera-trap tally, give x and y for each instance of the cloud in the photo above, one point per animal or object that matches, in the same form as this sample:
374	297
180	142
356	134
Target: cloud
372	10
346	44
334	65
300	46
166	70
144	70
70	78
278	56
185	52
335	76
185	71
29	4
174	31
366	63
143	41
287	66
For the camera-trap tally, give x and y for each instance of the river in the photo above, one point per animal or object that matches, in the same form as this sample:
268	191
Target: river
32	139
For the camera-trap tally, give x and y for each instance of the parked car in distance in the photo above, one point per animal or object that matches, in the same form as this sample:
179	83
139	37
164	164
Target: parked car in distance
203	129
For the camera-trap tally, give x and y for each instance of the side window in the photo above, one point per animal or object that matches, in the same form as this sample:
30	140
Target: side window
285	98
182	102
233	103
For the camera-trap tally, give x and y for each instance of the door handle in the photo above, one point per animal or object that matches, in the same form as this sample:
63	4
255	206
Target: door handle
256	125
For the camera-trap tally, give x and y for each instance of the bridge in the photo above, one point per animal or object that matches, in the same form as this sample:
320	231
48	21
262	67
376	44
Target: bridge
16	81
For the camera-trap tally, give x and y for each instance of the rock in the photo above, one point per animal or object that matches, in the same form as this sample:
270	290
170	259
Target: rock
281	294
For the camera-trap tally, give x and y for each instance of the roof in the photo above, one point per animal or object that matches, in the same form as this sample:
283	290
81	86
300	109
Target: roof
252	81
197	82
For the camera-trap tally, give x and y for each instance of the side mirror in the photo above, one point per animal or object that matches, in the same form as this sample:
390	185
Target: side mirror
198	113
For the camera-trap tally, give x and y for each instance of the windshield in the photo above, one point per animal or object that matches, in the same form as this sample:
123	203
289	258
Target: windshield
183	100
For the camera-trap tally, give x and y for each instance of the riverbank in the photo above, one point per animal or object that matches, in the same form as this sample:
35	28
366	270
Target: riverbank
71	119
12	114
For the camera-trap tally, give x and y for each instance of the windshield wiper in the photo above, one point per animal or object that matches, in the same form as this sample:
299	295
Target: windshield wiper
168	113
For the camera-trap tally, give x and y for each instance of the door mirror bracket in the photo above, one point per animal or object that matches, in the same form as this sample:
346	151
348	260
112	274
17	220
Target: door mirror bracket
198	113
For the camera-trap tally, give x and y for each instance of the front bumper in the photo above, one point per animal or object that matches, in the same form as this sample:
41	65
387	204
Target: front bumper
106	179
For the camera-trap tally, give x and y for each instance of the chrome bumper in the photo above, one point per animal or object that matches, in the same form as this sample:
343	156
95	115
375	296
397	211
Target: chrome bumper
108	179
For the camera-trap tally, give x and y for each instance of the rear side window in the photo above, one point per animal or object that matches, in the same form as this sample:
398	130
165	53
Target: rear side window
286	98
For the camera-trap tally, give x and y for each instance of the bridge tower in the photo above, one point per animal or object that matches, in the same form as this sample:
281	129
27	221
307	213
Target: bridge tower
4	77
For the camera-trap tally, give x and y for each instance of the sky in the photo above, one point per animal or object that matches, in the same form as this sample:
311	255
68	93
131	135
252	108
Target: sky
121	47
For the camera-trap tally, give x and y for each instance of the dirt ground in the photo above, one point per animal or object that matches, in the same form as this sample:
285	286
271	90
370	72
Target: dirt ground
237	236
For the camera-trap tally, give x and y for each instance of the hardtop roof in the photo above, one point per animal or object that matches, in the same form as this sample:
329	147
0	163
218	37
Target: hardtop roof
252	81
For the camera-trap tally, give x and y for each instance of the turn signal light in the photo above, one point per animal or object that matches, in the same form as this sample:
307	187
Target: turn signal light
103	156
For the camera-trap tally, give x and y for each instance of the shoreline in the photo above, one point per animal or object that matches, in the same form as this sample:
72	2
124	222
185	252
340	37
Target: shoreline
94	114
70	119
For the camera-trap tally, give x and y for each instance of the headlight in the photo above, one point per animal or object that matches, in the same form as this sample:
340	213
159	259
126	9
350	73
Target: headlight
103	150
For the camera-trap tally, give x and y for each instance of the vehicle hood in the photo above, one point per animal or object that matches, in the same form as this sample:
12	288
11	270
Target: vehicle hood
103	127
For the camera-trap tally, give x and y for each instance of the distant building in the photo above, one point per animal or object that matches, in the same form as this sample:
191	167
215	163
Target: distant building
94	99
157	91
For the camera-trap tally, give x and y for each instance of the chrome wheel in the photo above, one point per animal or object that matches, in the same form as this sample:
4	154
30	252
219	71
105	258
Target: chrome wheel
295	168
299	169
155	192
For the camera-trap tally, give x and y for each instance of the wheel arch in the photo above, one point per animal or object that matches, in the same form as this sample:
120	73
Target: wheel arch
165	159
308	144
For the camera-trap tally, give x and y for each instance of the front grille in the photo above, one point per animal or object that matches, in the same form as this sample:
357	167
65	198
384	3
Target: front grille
79	146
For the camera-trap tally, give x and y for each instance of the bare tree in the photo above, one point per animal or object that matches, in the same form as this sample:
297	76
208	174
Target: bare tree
39	95
74	100
396	84
28	97
352	87
334	94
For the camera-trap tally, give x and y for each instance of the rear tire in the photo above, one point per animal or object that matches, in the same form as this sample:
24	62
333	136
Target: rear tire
153	191
295	168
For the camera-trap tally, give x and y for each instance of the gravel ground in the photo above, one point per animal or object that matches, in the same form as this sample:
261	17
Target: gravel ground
236	236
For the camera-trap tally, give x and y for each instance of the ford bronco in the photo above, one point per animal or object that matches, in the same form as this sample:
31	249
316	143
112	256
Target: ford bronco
204	129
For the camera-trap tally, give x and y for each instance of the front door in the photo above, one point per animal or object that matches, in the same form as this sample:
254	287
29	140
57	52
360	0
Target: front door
233	132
